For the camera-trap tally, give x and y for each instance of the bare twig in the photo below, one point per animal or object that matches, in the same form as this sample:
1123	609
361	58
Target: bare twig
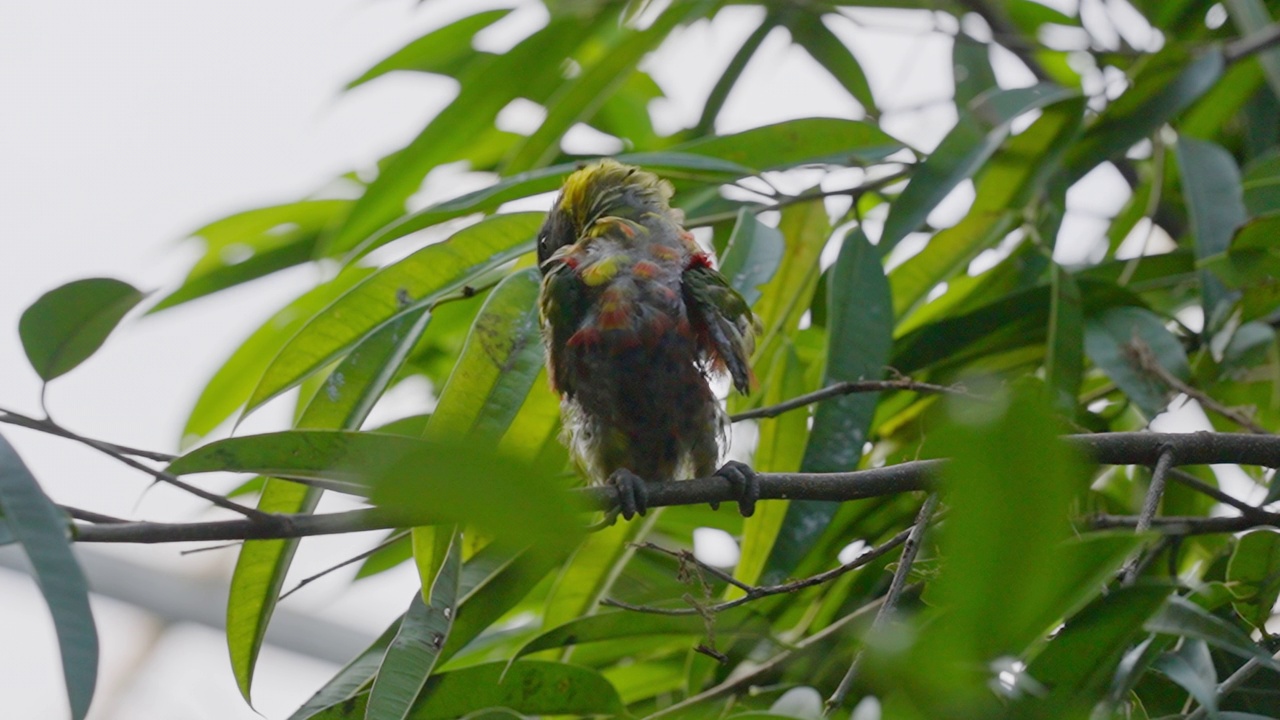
48	426
712	219
769	666
909	552
394	538
846	388
89	515
1182	525
1150	504
1185	478
1264	39
1234	681
753	592
1149	364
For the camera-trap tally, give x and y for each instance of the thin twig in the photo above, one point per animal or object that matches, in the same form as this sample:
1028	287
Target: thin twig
1150	505
712	219
396	537
1264	39
845	388
52	428
1185	478
1233	681
738	681
909	552
755	592
1148	362
1187	525
89	515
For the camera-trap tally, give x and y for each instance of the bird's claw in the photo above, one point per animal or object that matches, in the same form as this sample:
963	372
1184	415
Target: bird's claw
745	481
633	493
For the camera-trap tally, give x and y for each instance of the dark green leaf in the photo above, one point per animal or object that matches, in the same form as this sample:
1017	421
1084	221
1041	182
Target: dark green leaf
617	624
351	678
42	532
69	323
1117	339
1261	185
971	66
1187	619
752	256
1064	363
527	686
808	31
1192	668
1253	575
970	143
799	142
1211	186
413	654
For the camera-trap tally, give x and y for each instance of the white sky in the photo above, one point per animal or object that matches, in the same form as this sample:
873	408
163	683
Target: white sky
128	124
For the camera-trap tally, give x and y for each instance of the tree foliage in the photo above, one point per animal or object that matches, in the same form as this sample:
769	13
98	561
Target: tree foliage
1024	575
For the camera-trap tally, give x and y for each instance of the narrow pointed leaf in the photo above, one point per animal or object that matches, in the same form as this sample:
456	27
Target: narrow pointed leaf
42	532
1185	618
618	624
752	256
444	50
413	654
1111	341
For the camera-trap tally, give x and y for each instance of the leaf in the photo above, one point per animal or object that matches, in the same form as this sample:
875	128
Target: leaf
232	384
344	401
1215	203
1184	618
1252	264
529	687
1261	185
578	98
1111	341
413	653
251	244
41	530
1253	575
444	51
1192	668
346	684
1064	362
780	448
1168	83
416	282
69	323
859	338
809	32
595	566
799	142
1251	17
618	624
971	66
752	256
1079	663
488	85
975	137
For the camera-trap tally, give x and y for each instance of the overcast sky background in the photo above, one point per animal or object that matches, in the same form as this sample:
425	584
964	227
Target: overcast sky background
129	124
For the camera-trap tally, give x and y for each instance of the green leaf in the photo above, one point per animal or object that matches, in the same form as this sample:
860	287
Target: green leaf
1064	361
1184	618
347	683
413	654
1261	185
779	449
1252	264
1252	17
799	142
1110	340
752	256
593	569
344	401
42	532
619	624
810	33
445	50
1191	667
1079	663
529	687
251	244
971	66
69	323
859	338
578	98
1215	202
1253	575
1165	85
418	281
488	85
976	136
235	380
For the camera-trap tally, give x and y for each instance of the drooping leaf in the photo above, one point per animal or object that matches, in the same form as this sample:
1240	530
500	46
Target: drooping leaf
66	325
412	655
41	531
752	256
859	338
809	32
1211	186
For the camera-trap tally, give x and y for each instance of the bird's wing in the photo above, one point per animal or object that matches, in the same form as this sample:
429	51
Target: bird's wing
562	306
725	325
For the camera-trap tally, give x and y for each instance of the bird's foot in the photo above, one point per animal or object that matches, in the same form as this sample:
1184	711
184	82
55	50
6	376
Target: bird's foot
745	481
633	493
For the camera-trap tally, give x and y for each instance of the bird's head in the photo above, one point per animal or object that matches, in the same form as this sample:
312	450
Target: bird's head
604	188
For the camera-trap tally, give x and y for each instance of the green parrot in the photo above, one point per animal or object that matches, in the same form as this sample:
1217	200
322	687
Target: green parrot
636	320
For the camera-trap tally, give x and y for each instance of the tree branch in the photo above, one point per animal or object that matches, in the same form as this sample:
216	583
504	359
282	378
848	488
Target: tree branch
1264	39
845	388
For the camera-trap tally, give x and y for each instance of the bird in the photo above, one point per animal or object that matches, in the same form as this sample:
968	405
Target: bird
636	321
